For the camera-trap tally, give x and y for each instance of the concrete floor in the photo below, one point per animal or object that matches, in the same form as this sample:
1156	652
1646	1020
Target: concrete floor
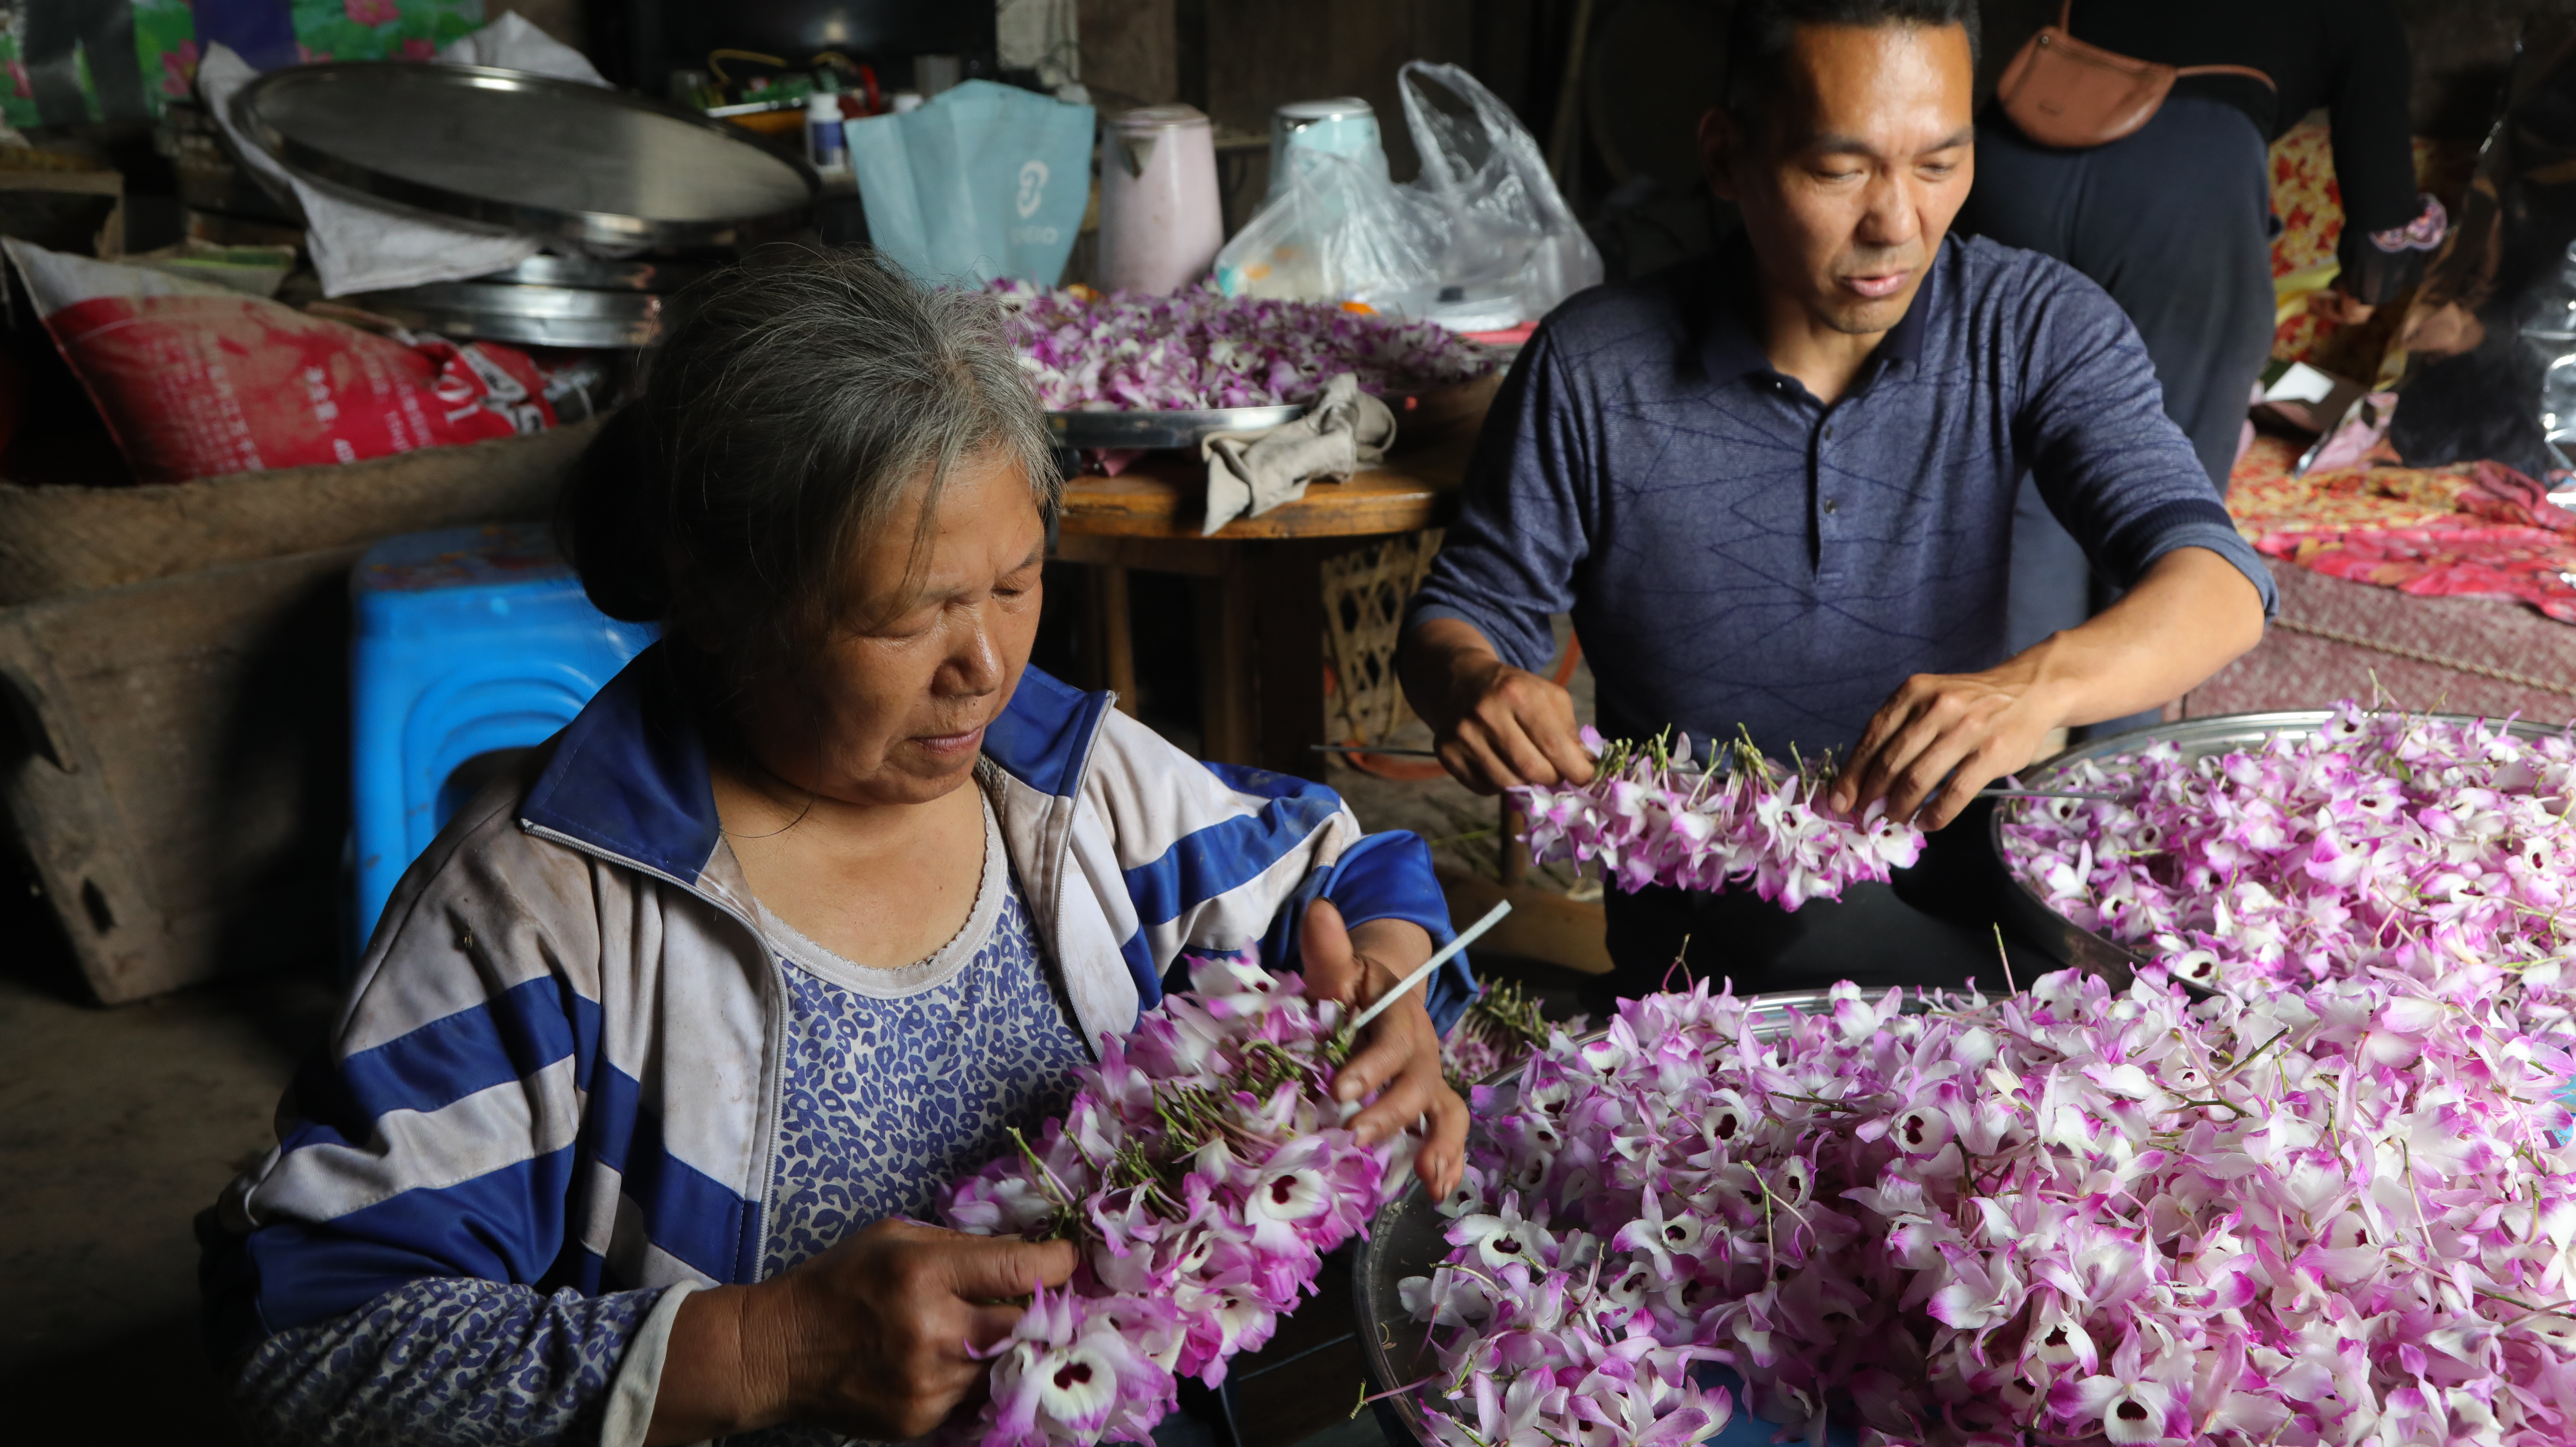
116	1127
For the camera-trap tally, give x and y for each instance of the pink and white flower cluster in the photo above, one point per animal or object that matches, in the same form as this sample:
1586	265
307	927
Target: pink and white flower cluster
1199	349
2342	1213
1654	816
1204	1171
2383	840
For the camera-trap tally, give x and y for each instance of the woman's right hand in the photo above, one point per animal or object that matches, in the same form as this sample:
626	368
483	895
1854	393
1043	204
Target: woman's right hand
868	1339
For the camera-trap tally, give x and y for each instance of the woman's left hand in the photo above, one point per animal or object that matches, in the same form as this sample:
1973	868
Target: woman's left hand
1398	1054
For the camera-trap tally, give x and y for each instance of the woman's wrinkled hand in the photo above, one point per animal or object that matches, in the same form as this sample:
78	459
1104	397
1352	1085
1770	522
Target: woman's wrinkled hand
1398	1055
868	1339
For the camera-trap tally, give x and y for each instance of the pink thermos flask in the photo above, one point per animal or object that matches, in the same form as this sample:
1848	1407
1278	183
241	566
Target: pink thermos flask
1160	222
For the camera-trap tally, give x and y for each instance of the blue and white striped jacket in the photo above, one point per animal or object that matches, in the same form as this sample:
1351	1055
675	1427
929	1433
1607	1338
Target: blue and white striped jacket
559	1065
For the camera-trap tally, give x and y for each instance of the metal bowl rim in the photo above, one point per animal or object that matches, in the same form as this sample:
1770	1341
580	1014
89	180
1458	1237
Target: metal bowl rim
2215	730
1177	427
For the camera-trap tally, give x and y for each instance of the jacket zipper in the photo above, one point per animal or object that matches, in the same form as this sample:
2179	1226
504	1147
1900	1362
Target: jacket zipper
774	1046
1064	847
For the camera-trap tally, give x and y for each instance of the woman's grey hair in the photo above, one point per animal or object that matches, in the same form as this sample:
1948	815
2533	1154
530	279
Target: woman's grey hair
786	420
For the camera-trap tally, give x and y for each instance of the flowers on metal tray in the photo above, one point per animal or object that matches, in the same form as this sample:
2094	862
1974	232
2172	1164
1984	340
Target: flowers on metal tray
1654	815
2340	1213
2435	848
1196	349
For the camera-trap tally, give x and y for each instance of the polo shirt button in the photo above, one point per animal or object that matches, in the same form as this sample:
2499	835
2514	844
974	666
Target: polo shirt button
1831	505
1829	431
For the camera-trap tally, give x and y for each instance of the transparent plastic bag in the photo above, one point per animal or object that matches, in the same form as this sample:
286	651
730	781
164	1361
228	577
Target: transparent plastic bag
1510	232
2548	334
1481	241
1338	230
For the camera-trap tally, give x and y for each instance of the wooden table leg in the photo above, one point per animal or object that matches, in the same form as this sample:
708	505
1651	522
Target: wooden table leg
1113	636
1227	640
1289	579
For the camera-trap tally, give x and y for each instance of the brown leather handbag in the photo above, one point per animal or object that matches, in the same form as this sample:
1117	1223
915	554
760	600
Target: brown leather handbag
2065	93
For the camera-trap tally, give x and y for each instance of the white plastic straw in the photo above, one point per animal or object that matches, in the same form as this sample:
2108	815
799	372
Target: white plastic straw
1465	938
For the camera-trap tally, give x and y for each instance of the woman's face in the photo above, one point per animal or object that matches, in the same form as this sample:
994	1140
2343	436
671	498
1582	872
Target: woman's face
893	710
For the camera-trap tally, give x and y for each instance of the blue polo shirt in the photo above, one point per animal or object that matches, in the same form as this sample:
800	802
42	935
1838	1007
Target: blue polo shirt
1736	552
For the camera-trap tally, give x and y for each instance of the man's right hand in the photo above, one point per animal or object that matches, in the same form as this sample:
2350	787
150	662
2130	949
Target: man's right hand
1498	727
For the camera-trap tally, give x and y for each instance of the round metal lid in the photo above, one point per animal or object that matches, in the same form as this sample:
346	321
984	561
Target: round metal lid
521	153
1160	118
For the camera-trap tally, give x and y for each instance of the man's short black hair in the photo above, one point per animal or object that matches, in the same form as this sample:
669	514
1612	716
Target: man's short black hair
1761	34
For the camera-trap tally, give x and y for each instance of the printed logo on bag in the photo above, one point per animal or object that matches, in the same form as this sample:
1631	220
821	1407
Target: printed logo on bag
1033	179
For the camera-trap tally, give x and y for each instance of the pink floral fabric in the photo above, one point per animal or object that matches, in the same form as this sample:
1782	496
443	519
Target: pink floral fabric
2477	530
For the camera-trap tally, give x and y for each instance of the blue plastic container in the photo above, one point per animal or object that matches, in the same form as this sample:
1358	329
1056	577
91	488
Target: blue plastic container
469	642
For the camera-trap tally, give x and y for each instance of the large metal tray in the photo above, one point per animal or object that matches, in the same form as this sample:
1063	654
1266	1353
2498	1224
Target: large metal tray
541	316
514	152
2197	738
1405	1240
1162	429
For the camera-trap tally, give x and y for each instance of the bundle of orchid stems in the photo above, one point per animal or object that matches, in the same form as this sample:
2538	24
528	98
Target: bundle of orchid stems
1203	1169
2339	1214
1655	814
2436	848
1498	1030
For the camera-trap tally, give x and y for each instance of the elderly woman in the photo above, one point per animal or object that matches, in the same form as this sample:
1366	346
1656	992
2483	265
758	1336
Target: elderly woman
661	1042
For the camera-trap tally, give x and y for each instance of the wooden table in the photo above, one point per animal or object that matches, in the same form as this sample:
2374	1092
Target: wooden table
1256	584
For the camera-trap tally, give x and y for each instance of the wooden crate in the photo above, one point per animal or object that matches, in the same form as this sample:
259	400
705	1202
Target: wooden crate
180	783
174	696
57	540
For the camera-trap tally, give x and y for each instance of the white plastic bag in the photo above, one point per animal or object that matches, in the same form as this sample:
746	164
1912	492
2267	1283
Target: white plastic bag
1481	241
1510	231
1336	230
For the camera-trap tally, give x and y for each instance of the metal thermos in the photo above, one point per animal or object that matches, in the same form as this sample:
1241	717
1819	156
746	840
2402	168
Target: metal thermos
1160	222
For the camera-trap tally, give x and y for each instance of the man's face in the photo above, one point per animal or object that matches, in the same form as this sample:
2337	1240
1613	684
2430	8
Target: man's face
1863	161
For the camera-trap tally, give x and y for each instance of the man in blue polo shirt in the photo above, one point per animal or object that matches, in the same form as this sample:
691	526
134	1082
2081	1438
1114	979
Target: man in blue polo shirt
1775	487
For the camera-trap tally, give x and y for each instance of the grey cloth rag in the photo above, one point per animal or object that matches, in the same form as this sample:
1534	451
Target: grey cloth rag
1249	473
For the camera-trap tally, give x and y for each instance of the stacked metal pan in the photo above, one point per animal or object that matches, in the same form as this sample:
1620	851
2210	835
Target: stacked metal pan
638	195
547	301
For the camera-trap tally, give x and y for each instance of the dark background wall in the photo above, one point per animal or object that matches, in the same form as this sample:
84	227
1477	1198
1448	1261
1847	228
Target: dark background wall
1238	58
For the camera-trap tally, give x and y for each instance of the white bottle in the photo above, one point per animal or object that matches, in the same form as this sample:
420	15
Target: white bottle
824	143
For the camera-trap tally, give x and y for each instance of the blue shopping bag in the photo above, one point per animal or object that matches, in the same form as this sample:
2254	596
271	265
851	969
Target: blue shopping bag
982	181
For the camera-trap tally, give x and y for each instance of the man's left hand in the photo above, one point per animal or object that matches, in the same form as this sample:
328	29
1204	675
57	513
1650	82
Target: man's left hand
1972	728
1398	1055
